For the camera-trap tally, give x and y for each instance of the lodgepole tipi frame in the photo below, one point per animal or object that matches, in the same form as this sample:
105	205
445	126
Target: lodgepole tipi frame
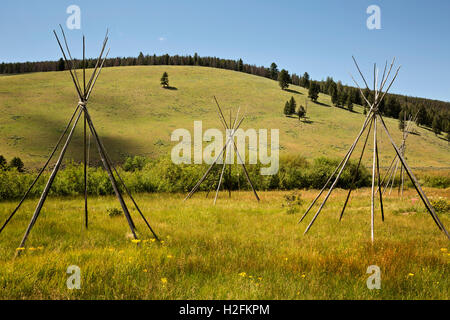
372	120
84	91
229	134
391	173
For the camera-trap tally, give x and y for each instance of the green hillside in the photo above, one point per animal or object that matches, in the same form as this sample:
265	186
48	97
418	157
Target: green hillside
135	116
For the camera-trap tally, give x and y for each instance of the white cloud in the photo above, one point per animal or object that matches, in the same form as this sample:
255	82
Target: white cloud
161	39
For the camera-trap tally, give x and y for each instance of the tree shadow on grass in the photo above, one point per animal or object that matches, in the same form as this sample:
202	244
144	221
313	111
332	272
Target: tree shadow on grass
293	91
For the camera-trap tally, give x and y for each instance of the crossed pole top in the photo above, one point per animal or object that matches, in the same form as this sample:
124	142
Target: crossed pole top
378	86
84	91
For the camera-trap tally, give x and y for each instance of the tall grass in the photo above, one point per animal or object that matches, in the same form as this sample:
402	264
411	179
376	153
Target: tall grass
238	249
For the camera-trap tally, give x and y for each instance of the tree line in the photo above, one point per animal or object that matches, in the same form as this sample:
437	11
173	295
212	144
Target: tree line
434	114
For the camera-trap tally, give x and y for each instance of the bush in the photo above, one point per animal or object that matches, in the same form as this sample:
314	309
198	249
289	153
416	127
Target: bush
114	212
144	175
441	205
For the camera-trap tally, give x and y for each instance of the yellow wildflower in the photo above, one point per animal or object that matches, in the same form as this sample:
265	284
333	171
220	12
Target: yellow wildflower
164	280
20	249
303	275
40	248
31	249
444	249
259	278
410	274
169	256
145	270
135	240
242	274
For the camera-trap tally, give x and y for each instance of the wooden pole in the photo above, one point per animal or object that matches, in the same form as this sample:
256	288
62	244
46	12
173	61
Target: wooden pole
415	182
379	182
372	195
357	171
220	179
49	183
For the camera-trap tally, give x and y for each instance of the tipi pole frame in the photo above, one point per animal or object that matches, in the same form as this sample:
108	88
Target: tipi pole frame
205	175
242	163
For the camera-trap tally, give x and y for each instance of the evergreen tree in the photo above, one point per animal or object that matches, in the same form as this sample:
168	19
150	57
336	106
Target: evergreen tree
313	92
165	80
283	79
301	112
334	97
401	120
436	125
287	109
305	81
240	65
17	163
61	65
292	105
349	103
3	163
422	116
273	71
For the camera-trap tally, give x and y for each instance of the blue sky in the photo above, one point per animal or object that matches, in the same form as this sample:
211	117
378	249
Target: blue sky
315	36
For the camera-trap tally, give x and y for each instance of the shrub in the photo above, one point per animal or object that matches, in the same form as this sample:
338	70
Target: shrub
114	212
441	205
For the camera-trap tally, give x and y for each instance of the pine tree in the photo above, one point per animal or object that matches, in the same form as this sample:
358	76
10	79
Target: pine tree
304	80
240	65
283	79
436	125
17	163
61	65
349	103
301	112
401	120
313	92
334	97
165	80
422	116
292	105
3	163
287	109
273	71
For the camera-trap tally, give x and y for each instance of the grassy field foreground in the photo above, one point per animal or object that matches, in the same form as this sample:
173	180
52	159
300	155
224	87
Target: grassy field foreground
235	250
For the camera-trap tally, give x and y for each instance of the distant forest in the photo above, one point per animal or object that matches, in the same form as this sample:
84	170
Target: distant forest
434	114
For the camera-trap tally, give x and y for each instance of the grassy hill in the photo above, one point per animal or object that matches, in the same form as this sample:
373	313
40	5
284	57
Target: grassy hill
135	116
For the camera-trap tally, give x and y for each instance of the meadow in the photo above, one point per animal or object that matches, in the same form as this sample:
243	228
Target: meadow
135	116
238	249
